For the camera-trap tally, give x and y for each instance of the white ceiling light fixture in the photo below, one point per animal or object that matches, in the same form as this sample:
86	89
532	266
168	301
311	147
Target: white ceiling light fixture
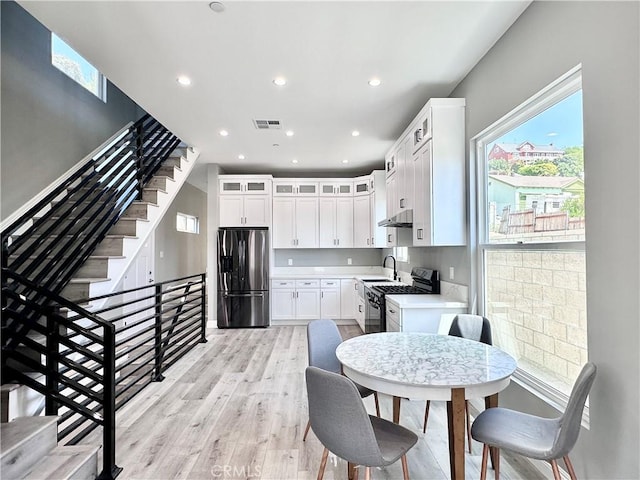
355	133
345	161
289	133
295	160
184	80
223	133
217	7
241	157
280	81
374	82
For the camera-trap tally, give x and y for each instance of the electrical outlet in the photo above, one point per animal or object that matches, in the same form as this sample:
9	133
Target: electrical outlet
451	273
290	261
349	261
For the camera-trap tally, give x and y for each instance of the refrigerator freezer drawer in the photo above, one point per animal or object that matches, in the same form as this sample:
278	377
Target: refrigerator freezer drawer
243	310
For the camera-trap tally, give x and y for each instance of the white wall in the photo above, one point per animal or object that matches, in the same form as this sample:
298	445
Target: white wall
548	40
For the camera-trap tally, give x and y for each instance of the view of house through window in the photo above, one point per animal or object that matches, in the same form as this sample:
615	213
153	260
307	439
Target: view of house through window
67	60
532	256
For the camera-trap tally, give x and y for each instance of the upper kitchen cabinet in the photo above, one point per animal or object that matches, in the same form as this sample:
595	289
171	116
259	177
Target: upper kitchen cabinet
336	187
369	210
295	187
439	174
336	222
295	222
245	201
245	184
362	185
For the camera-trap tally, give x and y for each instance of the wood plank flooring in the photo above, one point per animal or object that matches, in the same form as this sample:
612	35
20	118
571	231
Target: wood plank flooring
236	407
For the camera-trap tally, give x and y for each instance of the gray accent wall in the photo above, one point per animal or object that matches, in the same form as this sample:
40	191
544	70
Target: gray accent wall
49	122
548	40
178	254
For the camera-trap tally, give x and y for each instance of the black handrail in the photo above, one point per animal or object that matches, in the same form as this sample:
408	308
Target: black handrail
97	362
41	251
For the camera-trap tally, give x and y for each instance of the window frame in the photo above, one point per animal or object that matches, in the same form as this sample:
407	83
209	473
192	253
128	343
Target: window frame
101	80
188	217
555	92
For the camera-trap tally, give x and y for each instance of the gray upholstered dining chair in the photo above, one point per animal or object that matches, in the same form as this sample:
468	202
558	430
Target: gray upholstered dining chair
341	423
471	327
323	337
532	436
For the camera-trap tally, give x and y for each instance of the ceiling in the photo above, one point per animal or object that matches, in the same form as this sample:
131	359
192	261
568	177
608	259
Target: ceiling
326	50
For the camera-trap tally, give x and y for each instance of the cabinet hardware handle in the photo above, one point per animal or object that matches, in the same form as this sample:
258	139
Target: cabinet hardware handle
402	203
297	294
321	294
338	240
420	233
389	238
392	311
367	241
360	308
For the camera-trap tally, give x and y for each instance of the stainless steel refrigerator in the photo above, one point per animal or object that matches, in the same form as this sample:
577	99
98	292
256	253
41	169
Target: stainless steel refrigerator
243	277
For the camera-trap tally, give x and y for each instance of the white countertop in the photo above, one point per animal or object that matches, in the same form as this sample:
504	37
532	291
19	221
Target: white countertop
424	301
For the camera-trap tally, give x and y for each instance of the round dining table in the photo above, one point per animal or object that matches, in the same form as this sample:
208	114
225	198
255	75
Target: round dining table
424	366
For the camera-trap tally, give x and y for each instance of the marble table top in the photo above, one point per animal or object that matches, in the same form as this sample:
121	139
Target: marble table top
424	361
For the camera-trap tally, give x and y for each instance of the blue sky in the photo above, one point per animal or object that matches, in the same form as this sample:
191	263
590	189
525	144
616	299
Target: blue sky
561	125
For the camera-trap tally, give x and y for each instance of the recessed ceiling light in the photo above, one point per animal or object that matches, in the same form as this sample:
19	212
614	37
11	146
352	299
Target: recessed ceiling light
294	161
345	161
289	133
280	81
355	133
241	157
224	133
374	82
217	7
184	80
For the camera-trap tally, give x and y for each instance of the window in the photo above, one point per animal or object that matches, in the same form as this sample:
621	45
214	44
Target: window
531	255
401	254
187	223
68	61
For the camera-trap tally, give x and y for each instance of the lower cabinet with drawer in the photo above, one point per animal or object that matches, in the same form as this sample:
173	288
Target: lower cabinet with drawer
295	299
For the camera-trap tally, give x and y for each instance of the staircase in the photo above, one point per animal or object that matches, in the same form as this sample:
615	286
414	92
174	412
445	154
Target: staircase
28	449
71	244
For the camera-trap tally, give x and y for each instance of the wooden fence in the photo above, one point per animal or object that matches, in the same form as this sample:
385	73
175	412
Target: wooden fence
528	221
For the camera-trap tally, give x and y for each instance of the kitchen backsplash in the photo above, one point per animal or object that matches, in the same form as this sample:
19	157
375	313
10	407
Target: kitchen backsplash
325	257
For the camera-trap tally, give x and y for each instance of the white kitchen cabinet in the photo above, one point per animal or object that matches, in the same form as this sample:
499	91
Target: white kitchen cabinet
348	295
360	312
426	319
245	210
295	187
377	208
361	222
336	222
336	187
245	185
295	299
439	177
391	195
295	222
330	299
361	186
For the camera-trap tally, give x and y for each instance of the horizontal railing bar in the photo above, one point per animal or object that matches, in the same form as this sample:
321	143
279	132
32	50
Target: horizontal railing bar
170	363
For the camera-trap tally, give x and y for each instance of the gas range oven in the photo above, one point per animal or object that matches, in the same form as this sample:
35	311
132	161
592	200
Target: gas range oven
425	281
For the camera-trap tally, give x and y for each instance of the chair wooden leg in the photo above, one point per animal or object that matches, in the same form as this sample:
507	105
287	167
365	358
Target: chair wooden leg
556	470
572	472
306	430
466	409
426	416
367	473
323	463
405	467
375	397
485	458
494	453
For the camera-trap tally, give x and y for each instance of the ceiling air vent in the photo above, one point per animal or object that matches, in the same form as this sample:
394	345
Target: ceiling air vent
267	124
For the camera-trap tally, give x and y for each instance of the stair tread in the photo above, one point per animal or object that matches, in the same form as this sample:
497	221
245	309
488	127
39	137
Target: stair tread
16	432
62	462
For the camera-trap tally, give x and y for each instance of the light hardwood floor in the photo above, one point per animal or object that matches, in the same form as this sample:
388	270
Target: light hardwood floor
236	407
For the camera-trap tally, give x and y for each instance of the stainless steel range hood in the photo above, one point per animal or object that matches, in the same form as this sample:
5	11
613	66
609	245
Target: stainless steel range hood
401	220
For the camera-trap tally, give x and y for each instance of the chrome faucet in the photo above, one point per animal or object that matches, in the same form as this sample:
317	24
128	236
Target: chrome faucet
395	270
